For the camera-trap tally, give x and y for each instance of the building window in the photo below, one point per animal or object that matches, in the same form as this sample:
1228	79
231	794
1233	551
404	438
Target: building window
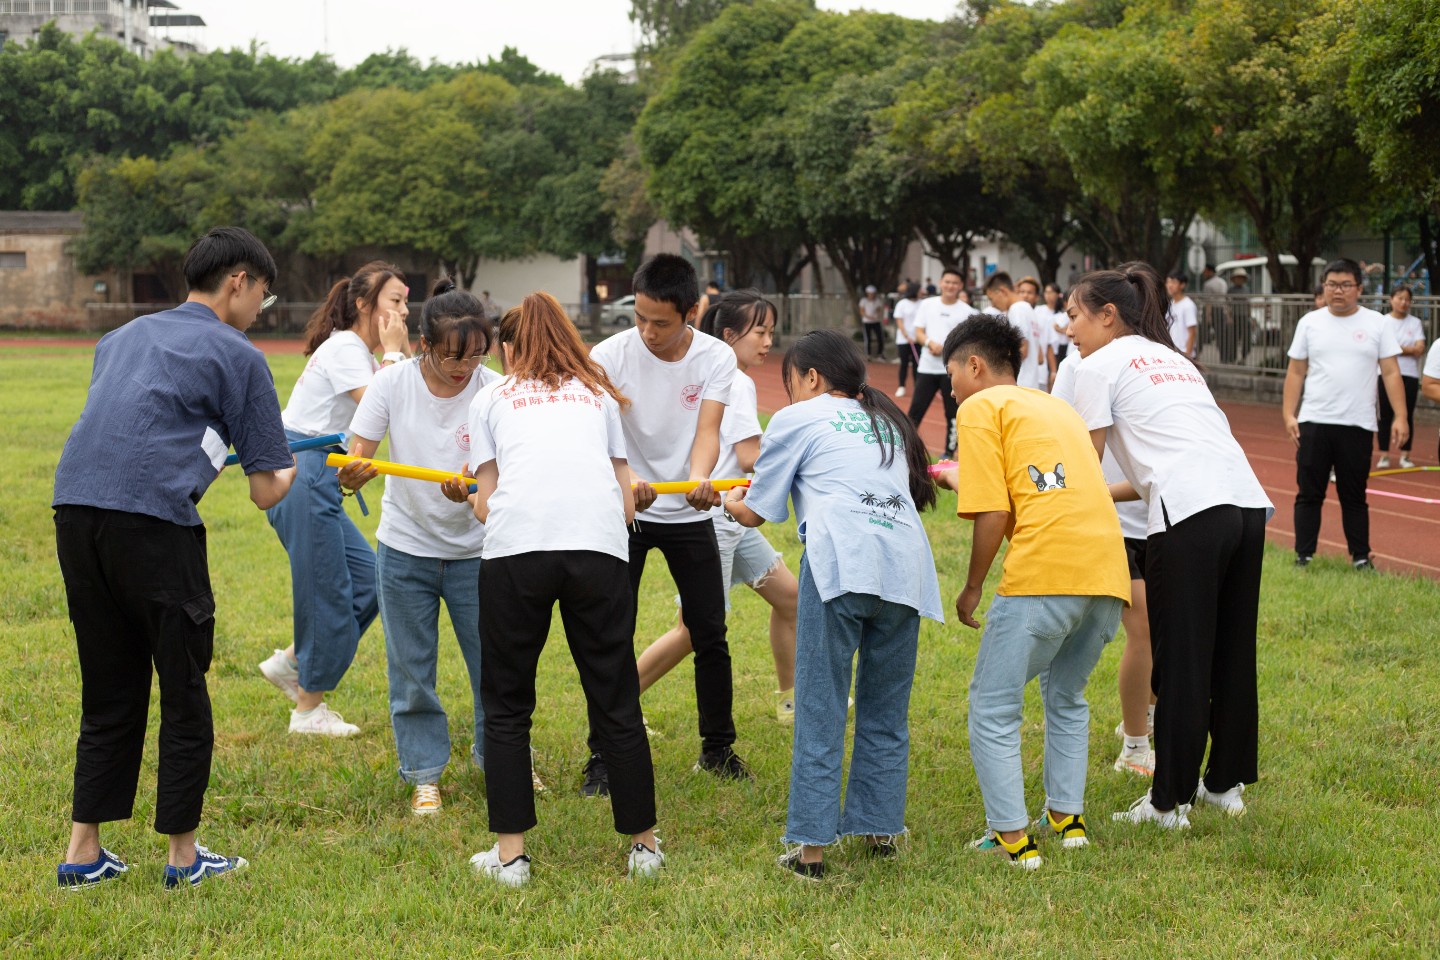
12	261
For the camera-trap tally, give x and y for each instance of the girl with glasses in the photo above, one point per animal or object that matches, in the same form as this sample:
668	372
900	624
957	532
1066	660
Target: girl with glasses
332	567
429	541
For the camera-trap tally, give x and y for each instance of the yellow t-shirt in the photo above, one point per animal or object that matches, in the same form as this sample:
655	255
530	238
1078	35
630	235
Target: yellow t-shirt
1028	453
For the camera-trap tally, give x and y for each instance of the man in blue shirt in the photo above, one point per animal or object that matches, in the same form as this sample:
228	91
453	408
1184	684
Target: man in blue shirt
170	393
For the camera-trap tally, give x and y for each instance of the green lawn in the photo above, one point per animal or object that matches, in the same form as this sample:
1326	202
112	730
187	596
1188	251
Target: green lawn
1337	855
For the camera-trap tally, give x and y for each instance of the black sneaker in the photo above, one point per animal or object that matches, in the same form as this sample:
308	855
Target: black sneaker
725	764
597	778
882	848
1302	561
1363	564
791	861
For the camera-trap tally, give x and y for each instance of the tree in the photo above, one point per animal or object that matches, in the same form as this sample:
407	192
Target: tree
130	218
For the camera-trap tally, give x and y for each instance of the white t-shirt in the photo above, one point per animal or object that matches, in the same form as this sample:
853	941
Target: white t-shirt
1183	317
937	319
1134	514
1048	318
320	404
426	431
1033	371
872	309
1407	331
904	314
664	409
1432	362
1169	437
741	422
1342	353
557	488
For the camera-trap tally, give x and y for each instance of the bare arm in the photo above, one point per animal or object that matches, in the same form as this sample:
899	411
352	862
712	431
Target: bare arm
1430	387
1290	404
353	476
1097	437
1395	390
735	506
268	487
1190	341
746	451
989	533
622	477
486	479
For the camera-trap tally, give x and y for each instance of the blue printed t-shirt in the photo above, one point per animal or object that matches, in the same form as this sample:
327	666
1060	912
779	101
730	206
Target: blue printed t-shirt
169	394
862	533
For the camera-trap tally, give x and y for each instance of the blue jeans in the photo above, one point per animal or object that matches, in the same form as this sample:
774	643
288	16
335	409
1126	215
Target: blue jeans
827	636
411	589
332	571
1059	639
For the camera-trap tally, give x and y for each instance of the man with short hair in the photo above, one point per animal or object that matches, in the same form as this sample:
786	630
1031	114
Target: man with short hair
1006	298
1181	314
872	316
1212	284
933	320
1333	359
169	394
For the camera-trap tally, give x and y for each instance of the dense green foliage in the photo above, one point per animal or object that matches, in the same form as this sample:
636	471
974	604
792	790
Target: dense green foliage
772	129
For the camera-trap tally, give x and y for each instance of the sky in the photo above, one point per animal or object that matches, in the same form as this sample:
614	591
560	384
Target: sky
560	36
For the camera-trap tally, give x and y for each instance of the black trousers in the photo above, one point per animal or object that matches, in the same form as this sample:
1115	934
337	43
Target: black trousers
1202	581
693	556
908	359
517	595
138	590
1346	450
1387	413
878	332
926	386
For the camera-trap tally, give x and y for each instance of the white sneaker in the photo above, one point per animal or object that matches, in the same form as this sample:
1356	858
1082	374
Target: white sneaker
321	720
1141	761
280	671
516	873
1383	462
1332	476
899	391
1142	811
1406	462
645	863
1229	801
425	801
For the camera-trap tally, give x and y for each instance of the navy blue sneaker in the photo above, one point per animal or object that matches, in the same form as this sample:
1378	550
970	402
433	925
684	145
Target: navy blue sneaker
77	876
206	865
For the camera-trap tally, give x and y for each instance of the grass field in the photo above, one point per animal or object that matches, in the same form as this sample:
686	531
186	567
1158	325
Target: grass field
1336	857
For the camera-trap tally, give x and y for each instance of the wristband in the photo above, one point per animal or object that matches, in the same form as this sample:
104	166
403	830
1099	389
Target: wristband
392	357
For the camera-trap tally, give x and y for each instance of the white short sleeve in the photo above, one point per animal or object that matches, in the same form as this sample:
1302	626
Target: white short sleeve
372	416
1432	362
1300	344
1094	395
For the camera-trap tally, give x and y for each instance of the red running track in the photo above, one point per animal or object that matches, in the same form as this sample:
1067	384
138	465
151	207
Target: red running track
1404	536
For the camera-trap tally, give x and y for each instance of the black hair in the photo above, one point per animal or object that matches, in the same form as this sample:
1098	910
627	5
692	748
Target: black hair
989	336
339	312
1209	267
223	251
1345	265
713	283
670	279
1135	291
999	279
836	358
954	270
1178	275
737	313
450	315
1402	288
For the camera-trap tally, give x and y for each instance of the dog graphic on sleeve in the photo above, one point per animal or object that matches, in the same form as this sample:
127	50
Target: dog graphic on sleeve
1052	480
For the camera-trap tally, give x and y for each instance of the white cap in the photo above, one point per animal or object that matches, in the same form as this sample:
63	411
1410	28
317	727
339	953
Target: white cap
870	289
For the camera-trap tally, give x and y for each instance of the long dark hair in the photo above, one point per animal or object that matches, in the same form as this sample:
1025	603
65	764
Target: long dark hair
452	312
339	312
545	346
836	358
1137	294
737	313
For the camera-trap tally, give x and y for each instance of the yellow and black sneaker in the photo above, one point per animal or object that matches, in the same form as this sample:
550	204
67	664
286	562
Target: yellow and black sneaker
1022	853
1070	827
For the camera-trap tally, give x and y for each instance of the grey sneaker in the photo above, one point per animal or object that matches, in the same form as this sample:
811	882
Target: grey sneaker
644	863
515	873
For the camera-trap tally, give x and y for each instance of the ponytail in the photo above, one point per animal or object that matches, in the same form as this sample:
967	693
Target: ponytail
545	346
836	358
1135	290
339	312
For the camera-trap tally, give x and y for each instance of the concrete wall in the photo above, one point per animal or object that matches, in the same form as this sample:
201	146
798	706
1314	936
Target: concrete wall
510	281
47	293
